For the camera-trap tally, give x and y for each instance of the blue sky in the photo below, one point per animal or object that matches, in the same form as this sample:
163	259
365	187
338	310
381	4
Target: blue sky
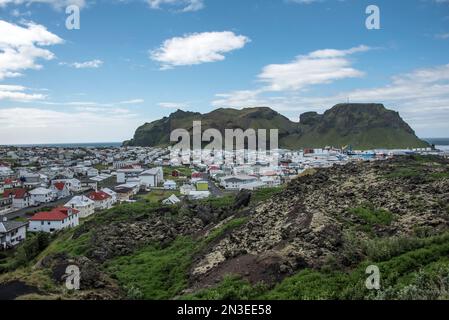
134	61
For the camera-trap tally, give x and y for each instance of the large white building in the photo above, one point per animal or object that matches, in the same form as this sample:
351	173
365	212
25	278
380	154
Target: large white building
236	182
152	177
12	233
101	199
42	195
57	219
83	204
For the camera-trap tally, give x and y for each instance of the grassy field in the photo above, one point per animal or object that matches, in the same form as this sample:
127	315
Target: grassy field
156	196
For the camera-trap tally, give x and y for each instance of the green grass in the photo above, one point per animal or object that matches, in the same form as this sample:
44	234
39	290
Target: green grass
66	244
407	172
154	272
372	216
265	194
184	171
218	202
416	271
161	273
156	196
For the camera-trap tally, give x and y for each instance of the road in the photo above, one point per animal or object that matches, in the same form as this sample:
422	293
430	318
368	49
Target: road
214	190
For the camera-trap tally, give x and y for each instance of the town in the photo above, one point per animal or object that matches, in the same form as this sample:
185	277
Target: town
47	189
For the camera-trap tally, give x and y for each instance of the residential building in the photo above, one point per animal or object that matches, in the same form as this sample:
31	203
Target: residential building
152	177
124	174
236	182
173	199
42	195
61	190
73	184
170	185
112	193
101	199
83	204
20	198
55	220
12	233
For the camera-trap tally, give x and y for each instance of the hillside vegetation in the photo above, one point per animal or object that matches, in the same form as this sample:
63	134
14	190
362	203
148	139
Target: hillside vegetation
362	126
311	239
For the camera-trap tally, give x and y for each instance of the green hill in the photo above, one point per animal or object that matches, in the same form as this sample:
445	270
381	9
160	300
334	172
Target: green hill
362	126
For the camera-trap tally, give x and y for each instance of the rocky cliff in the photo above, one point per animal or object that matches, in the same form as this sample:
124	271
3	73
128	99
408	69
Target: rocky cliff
362	126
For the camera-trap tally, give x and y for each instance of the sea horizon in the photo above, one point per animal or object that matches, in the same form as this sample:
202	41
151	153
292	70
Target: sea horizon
438	142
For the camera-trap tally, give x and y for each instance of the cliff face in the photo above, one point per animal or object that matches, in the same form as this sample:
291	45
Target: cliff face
362	126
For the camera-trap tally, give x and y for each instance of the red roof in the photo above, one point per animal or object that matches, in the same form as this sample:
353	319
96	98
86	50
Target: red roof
16	193
8	181
98	196
59	185
56	214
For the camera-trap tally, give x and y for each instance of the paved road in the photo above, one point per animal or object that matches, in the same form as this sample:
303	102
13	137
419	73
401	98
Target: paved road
214	190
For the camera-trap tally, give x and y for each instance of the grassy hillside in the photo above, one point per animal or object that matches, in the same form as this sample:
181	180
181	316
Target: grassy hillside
362	126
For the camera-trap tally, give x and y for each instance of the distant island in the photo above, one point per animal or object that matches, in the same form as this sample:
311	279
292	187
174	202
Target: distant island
360	126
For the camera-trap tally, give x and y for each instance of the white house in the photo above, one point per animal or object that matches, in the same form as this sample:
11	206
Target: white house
101	199
61	190
20	198
42	195
12	233
112	193
198	195
92	172
57	219
124	174
271	181
152	177
83	204
73	184
173	199
236	182
170	185
186	189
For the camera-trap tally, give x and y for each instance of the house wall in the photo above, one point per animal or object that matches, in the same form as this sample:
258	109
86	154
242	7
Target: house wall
52	226
21	203
13	238
149	181
41	198
85	211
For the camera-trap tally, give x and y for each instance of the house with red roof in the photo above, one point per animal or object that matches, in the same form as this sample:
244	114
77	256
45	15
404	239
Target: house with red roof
54	220
21	198
61	189
102	200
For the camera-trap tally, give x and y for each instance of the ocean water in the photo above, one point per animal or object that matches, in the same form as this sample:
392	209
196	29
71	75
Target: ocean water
438	141
76	145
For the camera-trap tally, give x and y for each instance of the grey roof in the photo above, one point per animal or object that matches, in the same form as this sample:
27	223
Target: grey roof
6	226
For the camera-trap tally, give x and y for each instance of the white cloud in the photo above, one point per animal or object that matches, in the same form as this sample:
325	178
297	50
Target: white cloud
304	1
421	97
18	93
180	5
442	36
20	47
197	48
92	64
318	67
173	105
58	4
17	125
133	101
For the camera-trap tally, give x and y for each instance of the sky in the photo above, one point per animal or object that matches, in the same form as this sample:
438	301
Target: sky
135	61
